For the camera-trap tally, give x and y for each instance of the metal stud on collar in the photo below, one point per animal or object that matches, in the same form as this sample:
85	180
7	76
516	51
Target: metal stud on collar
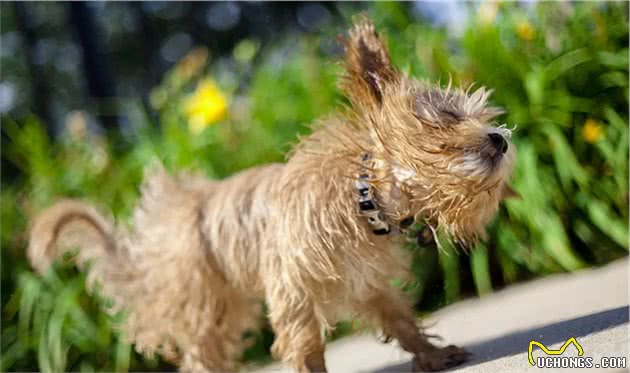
369	208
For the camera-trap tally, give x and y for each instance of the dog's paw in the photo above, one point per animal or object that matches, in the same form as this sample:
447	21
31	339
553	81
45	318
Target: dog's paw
439	358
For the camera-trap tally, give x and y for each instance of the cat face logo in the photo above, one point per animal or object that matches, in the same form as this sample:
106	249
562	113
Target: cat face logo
547	351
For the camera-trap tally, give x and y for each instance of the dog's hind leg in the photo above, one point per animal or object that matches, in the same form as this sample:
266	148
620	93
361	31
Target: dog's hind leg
221	346
395	316
177	299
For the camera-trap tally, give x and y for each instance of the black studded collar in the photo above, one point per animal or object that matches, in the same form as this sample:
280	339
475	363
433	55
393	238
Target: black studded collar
368	207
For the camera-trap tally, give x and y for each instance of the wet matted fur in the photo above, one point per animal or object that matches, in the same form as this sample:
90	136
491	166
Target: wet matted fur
201	255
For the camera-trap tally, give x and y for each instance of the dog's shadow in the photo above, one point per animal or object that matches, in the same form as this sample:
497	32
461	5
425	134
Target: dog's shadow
517	342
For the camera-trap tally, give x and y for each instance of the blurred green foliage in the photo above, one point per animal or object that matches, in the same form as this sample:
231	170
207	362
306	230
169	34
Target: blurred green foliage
560	70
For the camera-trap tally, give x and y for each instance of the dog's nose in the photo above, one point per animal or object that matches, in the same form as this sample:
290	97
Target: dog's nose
499	142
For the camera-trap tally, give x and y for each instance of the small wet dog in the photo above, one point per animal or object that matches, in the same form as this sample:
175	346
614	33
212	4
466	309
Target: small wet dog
318	238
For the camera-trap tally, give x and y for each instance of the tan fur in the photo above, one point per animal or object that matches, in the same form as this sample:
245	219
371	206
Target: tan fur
202	254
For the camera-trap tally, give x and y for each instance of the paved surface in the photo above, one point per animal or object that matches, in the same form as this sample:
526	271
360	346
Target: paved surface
590	305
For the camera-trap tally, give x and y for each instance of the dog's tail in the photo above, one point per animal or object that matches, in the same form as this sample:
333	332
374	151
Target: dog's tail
68	225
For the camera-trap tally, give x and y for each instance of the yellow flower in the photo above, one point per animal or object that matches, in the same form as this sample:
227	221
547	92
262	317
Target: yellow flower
207	105
525	31
592	131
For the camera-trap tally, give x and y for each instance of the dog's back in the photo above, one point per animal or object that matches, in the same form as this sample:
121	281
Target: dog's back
234	220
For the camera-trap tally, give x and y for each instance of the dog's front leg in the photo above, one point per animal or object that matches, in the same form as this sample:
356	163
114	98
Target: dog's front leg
396	318
299	340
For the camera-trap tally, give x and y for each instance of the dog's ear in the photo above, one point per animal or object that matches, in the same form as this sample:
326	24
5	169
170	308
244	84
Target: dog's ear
368	66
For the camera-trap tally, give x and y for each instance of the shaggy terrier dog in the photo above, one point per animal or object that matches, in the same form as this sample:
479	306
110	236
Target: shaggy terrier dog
317	239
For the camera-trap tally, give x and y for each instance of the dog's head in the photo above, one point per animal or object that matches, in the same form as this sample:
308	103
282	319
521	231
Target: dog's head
440	144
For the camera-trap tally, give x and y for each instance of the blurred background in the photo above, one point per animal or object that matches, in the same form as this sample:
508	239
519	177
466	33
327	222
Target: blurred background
90	93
